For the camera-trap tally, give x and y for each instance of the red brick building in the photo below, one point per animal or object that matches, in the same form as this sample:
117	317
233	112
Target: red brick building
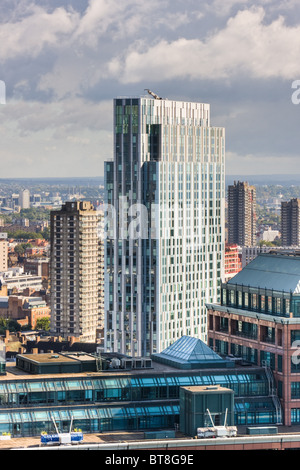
27	310
258	320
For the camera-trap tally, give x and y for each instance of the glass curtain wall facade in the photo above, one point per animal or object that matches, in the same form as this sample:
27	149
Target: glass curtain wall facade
165	193
150	402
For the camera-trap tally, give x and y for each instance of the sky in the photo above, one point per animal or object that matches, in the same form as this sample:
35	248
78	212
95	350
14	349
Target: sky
63	62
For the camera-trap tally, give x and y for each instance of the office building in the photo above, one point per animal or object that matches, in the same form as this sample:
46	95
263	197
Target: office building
241	214
258	321
290	222
74	271
164	252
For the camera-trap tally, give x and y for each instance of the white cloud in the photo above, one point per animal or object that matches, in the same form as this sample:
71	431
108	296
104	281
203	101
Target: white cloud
223	8
70	116
72	138
28	35
114	47
124	19
246	46
80	44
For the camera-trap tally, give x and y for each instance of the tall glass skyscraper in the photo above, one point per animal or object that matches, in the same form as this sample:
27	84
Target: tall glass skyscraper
165	191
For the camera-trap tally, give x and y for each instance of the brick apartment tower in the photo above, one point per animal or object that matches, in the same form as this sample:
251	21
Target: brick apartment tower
75	274
290	222
241	214
3	252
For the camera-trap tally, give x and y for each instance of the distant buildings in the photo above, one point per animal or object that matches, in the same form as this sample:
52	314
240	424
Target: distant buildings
37	266
248	253
290	222
166	186
268	235
16	280
241	214
24	199
74	271
27	310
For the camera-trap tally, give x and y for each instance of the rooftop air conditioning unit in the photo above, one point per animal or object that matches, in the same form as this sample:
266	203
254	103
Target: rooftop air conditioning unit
126	363
137	363
147	363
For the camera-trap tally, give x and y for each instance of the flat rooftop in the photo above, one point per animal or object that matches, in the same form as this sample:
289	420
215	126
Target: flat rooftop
47	358
14	373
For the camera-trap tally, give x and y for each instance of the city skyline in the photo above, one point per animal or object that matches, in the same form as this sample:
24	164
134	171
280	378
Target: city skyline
63	65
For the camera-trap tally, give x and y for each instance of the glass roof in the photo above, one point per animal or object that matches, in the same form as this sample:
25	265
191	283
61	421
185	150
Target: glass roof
190	349
278	272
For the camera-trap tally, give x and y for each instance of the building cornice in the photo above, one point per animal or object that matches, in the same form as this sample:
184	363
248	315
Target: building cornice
254	315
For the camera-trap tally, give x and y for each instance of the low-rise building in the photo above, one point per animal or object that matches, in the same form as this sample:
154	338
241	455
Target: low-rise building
27	310
16	280
113	392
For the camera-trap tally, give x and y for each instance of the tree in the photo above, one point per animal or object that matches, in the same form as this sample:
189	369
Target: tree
43	323
46	233
21	248
8	324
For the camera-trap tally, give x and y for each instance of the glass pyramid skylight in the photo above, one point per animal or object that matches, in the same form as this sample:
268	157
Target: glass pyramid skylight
190	349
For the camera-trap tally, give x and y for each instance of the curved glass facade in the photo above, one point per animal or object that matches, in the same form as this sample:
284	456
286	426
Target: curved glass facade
110	403
97	390
137	417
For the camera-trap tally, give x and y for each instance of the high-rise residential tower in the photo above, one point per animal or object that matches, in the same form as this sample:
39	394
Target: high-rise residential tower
165	200
3	252
24	199
75	272
290	222
241	219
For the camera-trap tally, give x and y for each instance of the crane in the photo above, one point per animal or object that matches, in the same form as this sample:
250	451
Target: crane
153	94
